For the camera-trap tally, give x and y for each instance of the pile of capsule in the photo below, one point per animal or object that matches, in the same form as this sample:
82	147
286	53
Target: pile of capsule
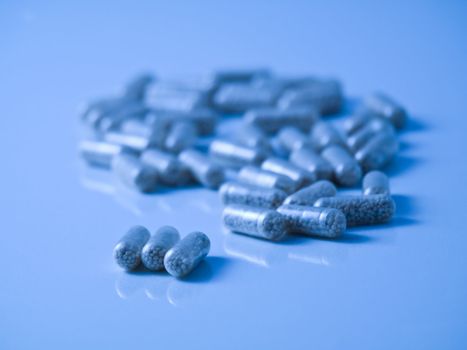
277	172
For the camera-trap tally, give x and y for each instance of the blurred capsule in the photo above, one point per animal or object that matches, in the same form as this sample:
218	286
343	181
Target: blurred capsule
240	75
267	179
171	171
324	134
136	88
377	152
134	142
292	138
230	154
251	136
375	125
375	182
312	162
203	169
347	171
238	98
384	106
298	175
100	154
133	173
182	135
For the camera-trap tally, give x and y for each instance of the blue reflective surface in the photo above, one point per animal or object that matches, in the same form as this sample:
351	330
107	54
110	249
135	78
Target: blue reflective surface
402	285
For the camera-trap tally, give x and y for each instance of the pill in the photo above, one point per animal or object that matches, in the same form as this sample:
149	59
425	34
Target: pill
292	138
354	122
205	120
136	143
324	134
361	210
132	172
256	222
375	182
238	98
182	135
112	120
312	162
347	171
262	178
375	125
136	88
230	154
384	106
95	110
251	136
202	168
127	251
377	152
254	196
314	221
186	255
155	132
176	99
298	175
152	255
307	196
240	75
171	171
100	154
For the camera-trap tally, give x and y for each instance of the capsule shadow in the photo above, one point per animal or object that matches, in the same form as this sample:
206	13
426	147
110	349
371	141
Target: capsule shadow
405	205
415	124
211	268
401	164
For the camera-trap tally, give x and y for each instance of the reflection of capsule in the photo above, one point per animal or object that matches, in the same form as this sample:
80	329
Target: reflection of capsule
127	285
250	250
156	288
180	293
323	253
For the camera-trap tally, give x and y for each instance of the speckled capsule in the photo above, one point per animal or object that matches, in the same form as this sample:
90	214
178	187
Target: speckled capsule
100	154
182	135
133	173
202	168
375	182
267	179
292	138
347	171
313	221
324	134
251	136
186	255
127	251
157	246
238	98
309	195
271	120
374	126
361	210
298	175
171	171
256	222
230	154
254	196
377	152
312	162
384	106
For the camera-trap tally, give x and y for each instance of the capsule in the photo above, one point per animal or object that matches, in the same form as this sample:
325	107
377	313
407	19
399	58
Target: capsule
240	75
175	99
171	171
202	168
271	120
238	98
230	154
374	126
157	246
204	120
324	134
253	137
313	221
361	210
182	135
354	122
183	258
386	107
100	154
292	138
375	182
132	172
267	179
280	166
377	152
243	194
147	135
347	171
256	222
137	87
136	143
312	162
127	251
309	195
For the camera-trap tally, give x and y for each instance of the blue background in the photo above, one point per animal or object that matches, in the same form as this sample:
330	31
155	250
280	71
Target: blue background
399	286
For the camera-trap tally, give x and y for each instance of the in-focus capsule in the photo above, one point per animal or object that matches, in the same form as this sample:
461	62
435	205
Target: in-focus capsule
267	179
375	182
280	166
377	152
230	154
347	171
183	258
256	222
127	252
203	169
157	246
100	154
182	135
133	173
312	162
243	194
324	134
292	138
309	195
361	210
323	222
171	171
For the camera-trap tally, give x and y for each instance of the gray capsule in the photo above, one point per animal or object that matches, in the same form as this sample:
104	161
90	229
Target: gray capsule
280	166
375	182
182	135
233	155
384	106
157	246
162	97
312	162
354	122
118	108
204	120
251	136
291	138
240	75
137	143
100	154
324	134
171	171
361	210
203	169
186	255
137	87
309	195
313	221
257	222
133	173
243	194
127	251
267	179
271	120
374	126
147	134
112	121
347	171
377	152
